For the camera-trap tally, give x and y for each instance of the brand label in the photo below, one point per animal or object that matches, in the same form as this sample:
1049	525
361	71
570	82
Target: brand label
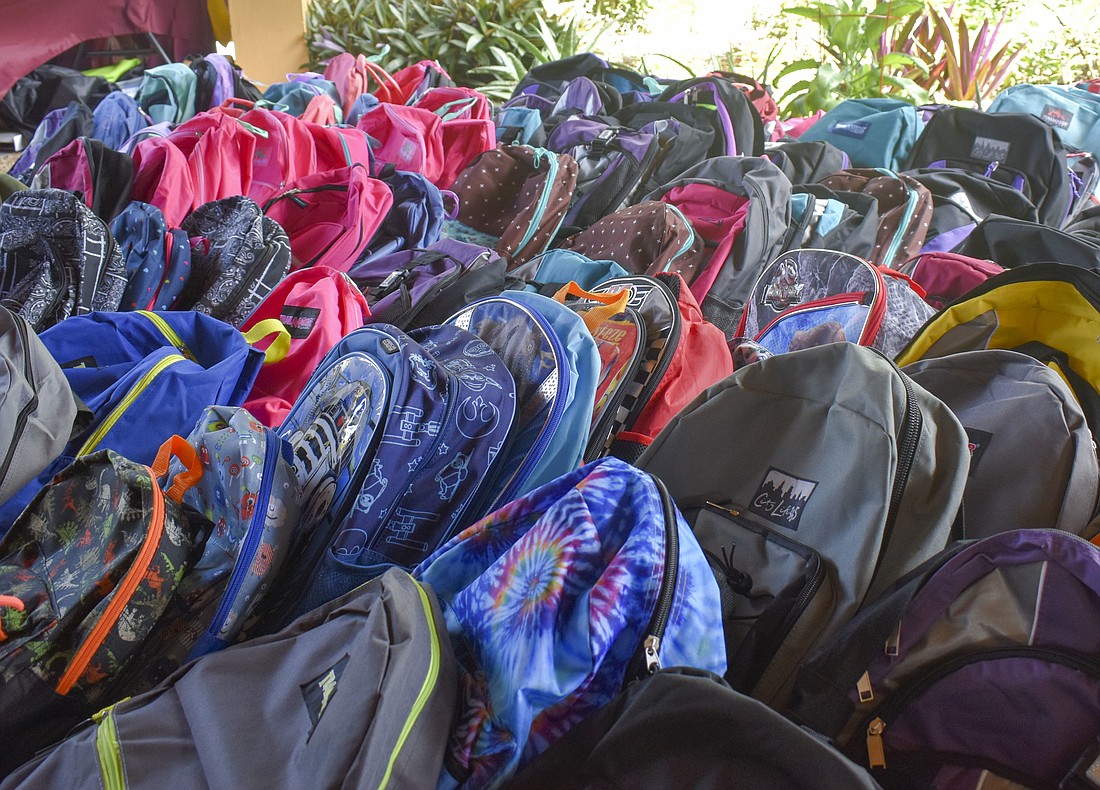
82	362
299	321
989	150
976	442
782	497
1057	117
856	129
318	692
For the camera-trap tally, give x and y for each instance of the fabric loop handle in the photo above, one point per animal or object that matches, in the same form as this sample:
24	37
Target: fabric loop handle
280	346
611	304
177	446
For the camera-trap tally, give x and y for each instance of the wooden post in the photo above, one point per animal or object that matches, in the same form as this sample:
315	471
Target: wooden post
269	37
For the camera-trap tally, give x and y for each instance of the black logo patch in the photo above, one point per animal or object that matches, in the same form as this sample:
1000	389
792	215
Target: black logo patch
989	150
1057	117
299	321
319	691
782	497
389	346
976	442
83	362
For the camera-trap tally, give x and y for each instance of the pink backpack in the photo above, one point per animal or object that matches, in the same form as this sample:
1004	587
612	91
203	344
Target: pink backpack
410	138
719	217
468	127
352	75
284	148
340	146
162	178
322	109
221	161
331	217
945	276
318	306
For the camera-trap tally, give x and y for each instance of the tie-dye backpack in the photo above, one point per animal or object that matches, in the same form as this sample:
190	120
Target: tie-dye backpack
557	600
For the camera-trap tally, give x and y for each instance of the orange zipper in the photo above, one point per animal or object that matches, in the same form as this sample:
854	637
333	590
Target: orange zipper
122	595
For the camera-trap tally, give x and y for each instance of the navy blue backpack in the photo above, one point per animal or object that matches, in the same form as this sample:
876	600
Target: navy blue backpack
158	260
414	219
116	119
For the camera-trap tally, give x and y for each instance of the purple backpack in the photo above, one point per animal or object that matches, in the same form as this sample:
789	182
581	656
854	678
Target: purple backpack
984	665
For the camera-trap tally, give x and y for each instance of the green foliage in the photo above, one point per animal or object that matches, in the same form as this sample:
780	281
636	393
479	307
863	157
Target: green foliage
463	35
1071	55
622	14
852	37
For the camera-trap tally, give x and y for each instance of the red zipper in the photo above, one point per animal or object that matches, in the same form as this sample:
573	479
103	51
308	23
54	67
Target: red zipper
123	593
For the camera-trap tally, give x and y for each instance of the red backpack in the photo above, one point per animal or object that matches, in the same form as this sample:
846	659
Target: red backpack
945	276
331	216
410	138
163	179
317	306
468	128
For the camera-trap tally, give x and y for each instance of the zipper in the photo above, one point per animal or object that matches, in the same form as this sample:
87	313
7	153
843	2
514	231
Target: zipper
853	297
109	750
232	301
544	198
647	660
426	689
169	333
122	594
108	423
907	217
30	405
889	710
911	428
253	536
691	97
687	244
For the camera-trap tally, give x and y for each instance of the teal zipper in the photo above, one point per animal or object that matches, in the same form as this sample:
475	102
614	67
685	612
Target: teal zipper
544	198
910	207
687	244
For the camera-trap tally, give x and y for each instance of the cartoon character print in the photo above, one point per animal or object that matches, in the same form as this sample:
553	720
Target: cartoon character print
451	476
785	288
422	370
373	487
472	378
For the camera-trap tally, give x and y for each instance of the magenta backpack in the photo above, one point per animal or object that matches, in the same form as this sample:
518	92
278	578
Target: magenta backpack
945	276
163	179
317	306
410	138
468	128
331	217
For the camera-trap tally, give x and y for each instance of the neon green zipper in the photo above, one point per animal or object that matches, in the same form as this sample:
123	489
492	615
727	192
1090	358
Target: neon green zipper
116	414
168	332
109	750
425	690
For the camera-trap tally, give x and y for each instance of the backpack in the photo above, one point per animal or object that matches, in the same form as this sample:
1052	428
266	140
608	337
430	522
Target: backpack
450	409
47	88
557	601
685	354
38	411
904	211
220	153
318	306
548	272
824	219
808	298
167	93
467	127
162	178
238	256
410	138
742	208
57	258
90	588
1032	459
414	219
57	130
684	727
9	186
294	96
647	238
807	161
423	287
613	162
314	676
1014	148
157	260
946	276
1013	243
330	217
873	132
891	687
739	130
218	78
1048	311
961	200
1074	112
816	479
100	176
555	364
249	492
116	119
513	199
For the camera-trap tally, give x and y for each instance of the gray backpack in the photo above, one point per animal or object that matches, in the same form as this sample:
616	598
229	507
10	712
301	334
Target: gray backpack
813	481
358	693
38	411
1032	459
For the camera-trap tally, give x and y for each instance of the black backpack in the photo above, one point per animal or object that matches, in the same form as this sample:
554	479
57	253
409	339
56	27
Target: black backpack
48	87
57	258
852	229
685	727
1013	243
207	76
807	161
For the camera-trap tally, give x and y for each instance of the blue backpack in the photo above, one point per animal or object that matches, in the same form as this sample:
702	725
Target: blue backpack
116	119
450	410
873	132
414	220
167	93
555	602
553	359
1074	112
158	260
546	273
293	97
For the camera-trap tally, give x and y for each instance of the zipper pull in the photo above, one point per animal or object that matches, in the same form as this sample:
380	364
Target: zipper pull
893	642
863	686
876	756
652	661
726	510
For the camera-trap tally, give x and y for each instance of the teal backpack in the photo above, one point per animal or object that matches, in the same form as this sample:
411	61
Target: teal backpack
167	93
873	132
